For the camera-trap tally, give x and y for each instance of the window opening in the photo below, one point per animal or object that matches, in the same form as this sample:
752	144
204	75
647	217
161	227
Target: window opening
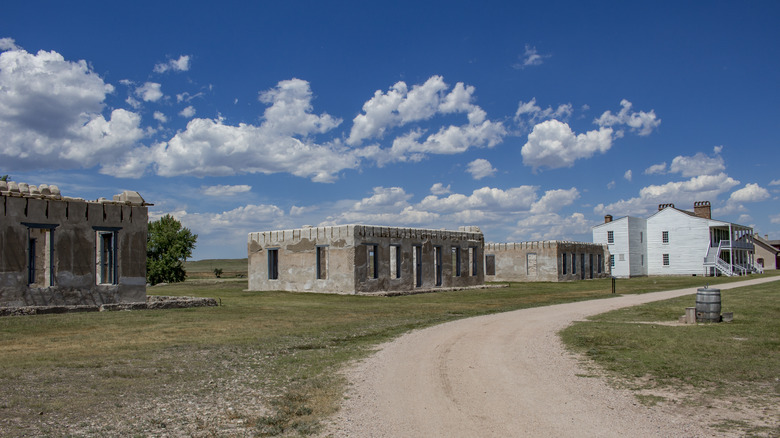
665	236
372	261
600	264
437	257
530	264
395	261
490	264
564	263
106	257
417	264
590	265
473	261
610	237
273	264
322	262
611	260
666	259
641	237
40	255
574	263
455	261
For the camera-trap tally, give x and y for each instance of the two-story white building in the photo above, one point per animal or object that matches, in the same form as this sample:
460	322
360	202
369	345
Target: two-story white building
677	242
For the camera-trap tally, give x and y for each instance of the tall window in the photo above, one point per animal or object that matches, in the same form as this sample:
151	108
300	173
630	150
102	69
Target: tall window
372	261
273	264
641	237
473	260
437	264
106	257
665	236
490	264
417	264
610	237
39	253
601	261
395	261
564	264
322	262
666	259
574	263
455	261
612	260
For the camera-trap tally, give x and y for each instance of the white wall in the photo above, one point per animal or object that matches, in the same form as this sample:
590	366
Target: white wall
689	239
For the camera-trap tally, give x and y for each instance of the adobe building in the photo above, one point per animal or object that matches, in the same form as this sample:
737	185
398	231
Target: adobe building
767	252
364	259
545	261
56	250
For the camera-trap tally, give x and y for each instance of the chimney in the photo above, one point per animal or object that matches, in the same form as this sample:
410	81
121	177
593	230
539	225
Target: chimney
607	218
662	206
702	209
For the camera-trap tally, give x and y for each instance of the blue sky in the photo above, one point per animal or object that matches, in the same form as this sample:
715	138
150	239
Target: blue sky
531	120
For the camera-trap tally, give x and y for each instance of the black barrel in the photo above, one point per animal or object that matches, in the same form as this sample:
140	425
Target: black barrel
707	305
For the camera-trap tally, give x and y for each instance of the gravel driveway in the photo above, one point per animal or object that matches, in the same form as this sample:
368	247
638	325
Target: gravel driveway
499	376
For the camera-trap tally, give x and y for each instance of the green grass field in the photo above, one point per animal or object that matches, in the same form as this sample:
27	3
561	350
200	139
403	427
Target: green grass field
71	374
231	268
737	361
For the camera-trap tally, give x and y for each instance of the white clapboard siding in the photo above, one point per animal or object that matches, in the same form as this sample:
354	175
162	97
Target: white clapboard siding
629	245
689	239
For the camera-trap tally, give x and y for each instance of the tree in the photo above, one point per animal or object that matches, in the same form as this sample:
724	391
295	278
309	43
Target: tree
218	272
168	246
4	178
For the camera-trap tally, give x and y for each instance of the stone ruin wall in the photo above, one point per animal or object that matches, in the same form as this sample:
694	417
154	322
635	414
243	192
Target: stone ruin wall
543	260
68	229
347	258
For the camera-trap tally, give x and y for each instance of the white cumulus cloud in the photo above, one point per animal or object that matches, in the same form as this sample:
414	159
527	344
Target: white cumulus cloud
187	112
160	117
699	164
51	114
554	200
553	144
149	92
641	122
180	64
656	169
530	57
628	175
480	168
750	193
440	189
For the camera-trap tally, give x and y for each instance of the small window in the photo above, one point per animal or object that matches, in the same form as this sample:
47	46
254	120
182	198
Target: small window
622	257
643	260
665	236
666	259
273	264
455	261
612	260
395	261
372	261
490	264
641	237
322	263
610	237
563	263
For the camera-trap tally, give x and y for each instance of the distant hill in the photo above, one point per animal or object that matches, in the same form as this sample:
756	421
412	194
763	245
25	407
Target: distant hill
231	268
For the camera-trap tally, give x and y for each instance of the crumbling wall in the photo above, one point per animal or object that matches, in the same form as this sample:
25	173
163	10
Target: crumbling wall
66	258
547	261
364	259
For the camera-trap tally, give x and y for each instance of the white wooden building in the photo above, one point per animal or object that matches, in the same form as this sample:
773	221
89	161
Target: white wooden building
625	239
677	242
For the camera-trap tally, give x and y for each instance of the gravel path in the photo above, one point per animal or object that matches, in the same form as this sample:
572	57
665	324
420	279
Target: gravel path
501	375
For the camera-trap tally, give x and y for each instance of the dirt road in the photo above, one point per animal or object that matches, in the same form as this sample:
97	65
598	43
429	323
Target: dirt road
499	376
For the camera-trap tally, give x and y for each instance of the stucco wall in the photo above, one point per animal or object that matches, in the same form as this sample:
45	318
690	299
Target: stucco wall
543	261
352	251
66	232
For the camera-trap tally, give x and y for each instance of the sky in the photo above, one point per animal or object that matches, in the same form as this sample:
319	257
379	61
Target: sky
531	120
